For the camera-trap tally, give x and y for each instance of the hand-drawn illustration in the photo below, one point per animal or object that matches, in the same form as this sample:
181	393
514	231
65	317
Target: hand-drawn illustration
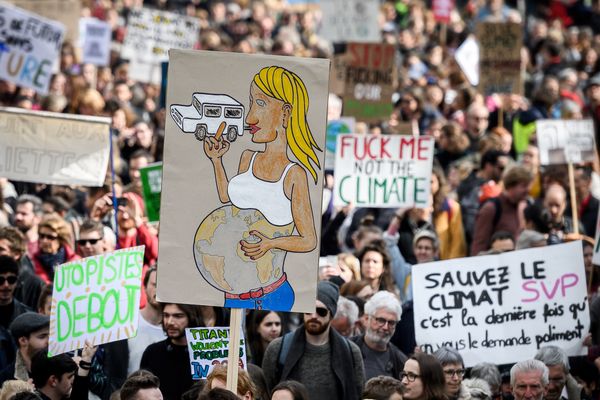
240	248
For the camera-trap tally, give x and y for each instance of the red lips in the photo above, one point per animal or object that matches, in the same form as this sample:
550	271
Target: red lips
254	129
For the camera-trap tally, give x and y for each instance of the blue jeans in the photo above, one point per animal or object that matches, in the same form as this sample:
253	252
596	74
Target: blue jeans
281	299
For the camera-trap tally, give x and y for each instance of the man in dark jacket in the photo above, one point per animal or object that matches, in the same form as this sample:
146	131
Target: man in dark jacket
328	364
379	355
10	308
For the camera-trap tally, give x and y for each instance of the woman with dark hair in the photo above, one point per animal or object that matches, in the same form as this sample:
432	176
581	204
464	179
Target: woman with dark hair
375	266
263	327
423	378
289	390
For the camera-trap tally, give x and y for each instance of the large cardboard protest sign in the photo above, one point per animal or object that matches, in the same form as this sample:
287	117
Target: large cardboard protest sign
368	74
503	307
150	35
241	132
383	171
350	21
29	46
500	57
562	141
96	299
209	347
67	12
53	148
151	177
95	41
467	58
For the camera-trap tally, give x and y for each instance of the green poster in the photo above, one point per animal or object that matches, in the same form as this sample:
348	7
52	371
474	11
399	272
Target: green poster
151	186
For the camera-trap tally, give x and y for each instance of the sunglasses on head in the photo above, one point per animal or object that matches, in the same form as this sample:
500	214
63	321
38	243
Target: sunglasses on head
83	242
11	279
321	312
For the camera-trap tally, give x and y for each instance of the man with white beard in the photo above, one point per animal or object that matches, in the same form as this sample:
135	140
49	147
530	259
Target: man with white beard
379	355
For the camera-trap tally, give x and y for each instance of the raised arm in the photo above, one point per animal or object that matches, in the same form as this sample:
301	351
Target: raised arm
215	149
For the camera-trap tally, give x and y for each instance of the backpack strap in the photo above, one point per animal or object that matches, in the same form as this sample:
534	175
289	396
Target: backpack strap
286	344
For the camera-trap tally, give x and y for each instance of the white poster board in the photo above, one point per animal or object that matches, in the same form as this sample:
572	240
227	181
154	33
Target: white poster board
503	307
562	141
208	347
467	58
150	36
30	45
95	37
96	299
383	171
53	148
350	21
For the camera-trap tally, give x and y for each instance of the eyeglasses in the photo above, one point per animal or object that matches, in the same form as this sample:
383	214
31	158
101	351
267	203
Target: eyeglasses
83	242
11	279
321	312
451	372
382	321
49	237
409	376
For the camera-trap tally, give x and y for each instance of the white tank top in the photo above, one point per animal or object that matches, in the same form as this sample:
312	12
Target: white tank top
247	191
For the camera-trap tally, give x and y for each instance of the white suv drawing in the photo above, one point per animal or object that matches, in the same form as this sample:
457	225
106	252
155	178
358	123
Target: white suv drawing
207	112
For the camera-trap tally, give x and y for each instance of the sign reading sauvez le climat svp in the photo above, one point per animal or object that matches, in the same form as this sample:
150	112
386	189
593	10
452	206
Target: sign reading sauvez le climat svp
383	171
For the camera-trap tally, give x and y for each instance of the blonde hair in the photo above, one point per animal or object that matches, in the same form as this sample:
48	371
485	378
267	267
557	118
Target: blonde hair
10	388
58	225
286	86
244	385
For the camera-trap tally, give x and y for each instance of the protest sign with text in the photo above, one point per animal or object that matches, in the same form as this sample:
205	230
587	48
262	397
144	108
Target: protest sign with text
95	41
383	171
67	12
350	21
96	299
562	141
29	47
151	177
150	36
53	148
442	10
208	347
334	129
500	57
368	74
503	307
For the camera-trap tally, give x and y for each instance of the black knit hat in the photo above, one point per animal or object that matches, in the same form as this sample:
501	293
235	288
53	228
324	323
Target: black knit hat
328	294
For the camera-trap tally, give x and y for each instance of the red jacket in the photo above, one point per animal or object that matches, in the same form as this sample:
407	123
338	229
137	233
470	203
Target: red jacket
42	272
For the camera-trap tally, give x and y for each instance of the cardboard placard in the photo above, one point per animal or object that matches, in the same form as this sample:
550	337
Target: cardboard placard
53	148
383	171
562	141
151	177
66	12
368	73
208	347
228	234
95	41
503	307
350	21
500	57
150	36
467	58
96	299
29	49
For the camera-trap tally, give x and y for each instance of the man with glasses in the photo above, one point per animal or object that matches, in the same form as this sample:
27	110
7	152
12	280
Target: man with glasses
381	357
91	239
10	308
454	370
529	380
561	385
329	365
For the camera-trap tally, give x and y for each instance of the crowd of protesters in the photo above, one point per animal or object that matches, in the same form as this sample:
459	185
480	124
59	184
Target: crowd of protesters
489	194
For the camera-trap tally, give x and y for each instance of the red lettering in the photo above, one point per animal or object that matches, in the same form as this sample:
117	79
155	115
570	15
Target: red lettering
346	141
383	153
377	56
369	147
424	146
364	148
407	142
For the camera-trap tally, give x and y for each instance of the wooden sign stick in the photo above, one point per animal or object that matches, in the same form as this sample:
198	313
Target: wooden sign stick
233	357
573	199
